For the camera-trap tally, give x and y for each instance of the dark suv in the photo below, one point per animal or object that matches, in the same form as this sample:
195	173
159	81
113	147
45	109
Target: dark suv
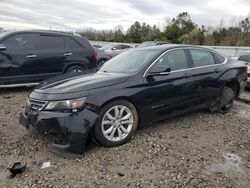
27	57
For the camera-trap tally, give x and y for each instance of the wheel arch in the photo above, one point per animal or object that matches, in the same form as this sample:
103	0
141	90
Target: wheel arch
234	85
81	64
125	98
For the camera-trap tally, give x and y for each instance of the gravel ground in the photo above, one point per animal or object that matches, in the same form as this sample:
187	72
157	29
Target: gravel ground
195	150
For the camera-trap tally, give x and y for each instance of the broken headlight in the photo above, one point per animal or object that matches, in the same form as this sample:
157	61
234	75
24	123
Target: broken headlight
73	104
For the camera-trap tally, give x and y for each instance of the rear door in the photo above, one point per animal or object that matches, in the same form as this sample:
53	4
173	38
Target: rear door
207	67
52	55
17	60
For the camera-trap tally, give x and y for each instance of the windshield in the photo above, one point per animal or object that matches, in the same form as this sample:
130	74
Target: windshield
107	46
4	33
129	62
146	44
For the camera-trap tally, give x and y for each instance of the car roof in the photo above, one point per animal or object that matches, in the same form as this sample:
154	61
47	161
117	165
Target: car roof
165	47
42	31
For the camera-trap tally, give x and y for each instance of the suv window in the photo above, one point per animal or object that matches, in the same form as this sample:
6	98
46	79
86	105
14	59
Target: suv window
202	57
24	41
218	58
175	60
72	44
51	42
244	58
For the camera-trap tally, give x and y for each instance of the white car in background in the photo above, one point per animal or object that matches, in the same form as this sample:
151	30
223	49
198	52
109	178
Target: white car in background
245	56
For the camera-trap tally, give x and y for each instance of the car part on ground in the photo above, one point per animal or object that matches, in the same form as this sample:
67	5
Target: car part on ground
145	84
17	168
28	57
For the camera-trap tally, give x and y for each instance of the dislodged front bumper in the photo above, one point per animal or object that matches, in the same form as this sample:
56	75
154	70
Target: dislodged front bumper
72	128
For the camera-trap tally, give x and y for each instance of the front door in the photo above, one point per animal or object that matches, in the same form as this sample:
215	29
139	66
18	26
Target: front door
172	92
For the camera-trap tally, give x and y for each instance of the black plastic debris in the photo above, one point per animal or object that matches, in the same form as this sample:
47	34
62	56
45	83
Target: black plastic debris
17	168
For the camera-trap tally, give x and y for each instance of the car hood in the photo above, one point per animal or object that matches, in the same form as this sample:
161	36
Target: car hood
73	84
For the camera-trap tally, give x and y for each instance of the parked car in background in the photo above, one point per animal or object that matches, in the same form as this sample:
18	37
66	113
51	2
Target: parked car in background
28	57
114	49
137	87
151	43
97	46
245	56
102	56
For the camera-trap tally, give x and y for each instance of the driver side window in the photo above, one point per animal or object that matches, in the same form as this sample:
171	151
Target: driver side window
174	59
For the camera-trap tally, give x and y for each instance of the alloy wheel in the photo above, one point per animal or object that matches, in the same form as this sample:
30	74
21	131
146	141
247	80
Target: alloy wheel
117	123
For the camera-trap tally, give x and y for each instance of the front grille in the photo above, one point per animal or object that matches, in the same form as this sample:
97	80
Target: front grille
37	105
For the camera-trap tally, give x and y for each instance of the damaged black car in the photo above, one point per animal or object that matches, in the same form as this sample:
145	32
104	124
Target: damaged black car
138	87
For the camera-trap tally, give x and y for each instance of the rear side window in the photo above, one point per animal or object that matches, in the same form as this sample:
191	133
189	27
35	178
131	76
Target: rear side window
51	42
125	47
244	58
72	44
175	60
218	58
202	58
24	41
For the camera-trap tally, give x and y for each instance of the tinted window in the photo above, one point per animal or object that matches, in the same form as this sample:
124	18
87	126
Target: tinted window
244	58
72	43
218	58
175	60
202	58
20	42
125	46
51	42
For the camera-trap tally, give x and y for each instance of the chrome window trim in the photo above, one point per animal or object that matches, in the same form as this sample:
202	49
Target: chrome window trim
191	68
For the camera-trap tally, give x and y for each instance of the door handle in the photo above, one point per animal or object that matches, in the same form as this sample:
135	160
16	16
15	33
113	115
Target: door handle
67	54
31	56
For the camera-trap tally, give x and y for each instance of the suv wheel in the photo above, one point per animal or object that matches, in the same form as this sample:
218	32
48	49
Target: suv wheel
75	68
116	124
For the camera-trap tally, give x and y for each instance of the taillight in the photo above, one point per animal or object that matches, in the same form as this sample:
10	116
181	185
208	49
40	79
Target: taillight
245	72
94	55
110	55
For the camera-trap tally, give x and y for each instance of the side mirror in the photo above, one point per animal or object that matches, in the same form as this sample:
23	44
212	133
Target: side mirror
159	70
2	47
114	48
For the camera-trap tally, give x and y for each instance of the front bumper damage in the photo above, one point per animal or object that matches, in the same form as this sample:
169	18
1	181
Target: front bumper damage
72	128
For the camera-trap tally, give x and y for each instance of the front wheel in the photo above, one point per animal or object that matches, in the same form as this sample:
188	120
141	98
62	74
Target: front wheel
116	124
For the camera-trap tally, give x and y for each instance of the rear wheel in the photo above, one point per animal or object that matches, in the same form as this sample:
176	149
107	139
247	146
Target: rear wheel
116	124
75	68
226	100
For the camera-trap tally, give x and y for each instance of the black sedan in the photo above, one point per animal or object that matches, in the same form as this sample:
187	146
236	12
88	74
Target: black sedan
137	87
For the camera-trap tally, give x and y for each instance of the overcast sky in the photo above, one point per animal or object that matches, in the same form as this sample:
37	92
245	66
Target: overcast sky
106	14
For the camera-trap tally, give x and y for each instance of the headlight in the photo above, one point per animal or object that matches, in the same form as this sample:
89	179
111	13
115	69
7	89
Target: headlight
73	104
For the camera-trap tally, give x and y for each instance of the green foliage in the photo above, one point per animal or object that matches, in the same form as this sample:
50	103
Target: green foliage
181	29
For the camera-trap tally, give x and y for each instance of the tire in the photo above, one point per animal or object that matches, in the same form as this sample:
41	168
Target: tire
75	68
226	100
110	122
102	61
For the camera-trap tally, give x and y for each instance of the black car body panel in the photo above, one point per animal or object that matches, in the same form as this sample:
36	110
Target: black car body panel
155	97
33	56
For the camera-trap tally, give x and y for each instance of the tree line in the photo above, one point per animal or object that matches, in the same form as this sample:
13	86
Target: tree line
180	30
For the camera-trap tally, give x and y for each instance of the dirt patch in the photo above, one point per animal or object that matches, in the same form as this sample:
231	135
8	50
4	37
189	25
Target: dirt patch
195	150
